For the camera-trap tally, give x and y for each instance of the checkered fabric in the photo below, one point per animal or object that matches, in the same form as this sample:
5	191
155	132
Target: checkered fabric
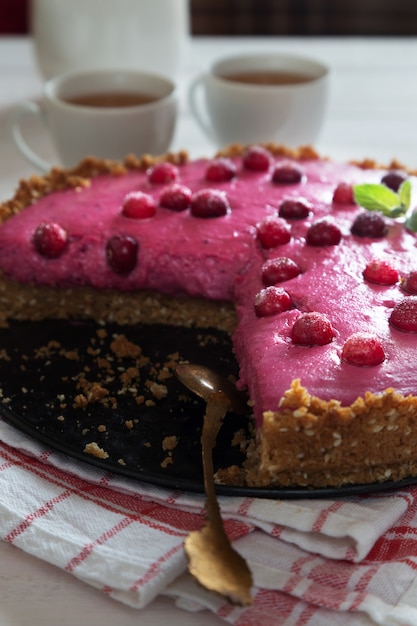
315	562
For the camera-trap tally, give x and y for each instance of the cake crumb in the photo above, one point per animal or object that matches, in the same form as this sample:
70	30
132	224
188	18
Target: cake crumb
158	391
94	449
122	347
71	355
80	401
170	442
130	374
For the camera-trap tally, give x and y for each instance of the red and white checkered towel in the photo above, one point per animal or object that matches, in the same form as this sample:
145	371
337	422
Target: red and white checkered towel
315	562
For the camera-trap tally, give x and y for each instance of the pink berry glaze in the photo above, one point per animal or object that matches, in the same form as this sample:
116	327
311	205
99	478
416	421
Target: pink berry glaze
222	258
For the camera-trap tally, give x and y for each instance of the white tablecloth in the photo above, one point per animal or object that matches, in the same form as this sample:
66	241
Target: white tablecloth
372	108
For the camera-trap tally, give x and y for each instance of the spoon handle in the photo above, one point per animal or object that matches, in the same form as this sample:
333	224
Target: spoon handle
216	409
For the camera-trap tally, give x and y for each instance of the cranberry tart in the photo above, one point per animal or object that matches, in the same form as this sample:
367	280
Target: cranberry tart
318	292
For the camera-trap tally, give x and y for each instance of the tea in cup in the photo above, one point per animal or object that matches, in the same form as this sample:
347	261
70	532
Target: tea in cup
269	97
102	113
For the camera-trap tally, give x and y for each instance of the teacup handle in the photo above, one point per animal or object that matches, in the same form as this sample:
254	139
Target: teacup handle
193	103
23	109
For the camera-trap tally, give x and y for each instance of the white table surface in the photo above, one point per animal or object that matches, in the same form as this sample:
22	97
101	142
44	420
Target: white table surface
372	113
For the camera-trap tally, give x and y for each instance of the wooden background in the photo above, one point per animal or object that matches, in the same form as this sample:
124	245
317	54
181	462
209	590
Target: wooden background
304	17
272	17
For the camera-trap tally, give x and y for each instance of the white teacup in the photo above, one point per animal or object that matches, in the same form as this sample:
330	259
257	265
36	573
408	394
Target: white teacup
102	113
254	98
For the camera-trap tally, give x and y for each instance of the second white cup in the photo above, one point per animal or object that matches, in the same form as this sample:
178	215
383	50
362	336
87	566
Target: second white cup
270	97
102	113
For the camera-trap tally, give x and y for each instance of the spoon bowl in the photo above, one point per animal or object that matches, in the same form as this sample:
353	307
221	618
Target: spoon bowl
204	381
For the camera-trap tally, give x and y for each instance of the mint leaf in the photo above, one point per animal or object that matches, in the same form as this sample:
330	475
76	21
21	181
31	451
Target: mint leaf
411	221
404	193
376	197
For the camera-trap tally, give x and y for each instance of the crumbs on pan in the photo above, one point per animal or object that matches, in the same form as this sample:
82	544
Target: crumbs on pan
114	365
107	367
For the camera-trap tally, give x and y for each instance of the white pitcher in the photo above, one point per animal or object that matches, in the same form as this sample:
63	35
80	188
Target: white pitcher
71	35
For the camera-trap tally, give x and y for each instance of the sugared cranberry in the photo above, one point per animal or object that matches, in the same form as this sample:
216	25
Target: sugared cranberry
404	315
176	197
343	194
312	329
273	231
163	173
122	253
323	233
380	272
271	300
278	270
209	203
369	224
287	174
50	239
294	209
363	349
138	204
257	158
393	180
220	170
409	283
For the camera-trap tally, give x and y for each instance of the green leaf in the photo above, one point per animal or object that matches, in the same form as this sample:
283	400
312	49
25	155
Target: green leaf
376	197
404	193
397	211
411	221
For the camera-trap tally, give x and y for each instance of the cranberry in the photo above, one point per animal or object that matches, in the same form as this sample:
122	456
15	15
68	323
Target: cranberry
343	194
273	231
409	283
176	197
220	170
278	270
122	253
323	233
393	180
294	209
287	174
138	204
404	315
209	203
380	272
257	158
163	173
312	329
369	224
50	239
271	300
363	349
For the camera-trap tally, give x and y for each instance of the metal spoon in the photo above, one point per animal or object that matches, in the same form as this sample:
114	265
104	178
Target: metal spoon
211	558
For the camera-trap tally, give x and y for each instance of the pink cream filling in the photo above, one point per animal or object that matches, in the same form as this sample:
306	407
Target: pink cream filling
220	258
